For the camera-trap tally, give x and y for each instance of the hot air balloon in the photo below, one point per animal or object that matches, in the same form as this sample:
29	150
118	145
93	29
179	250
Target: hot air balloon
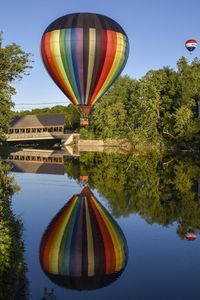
83	248
191	45
84	53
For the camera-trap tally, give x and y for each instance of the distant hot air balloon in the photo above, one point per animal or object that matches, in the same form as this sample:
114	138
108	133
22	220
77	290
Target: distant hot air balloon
191	45
83	248
84	53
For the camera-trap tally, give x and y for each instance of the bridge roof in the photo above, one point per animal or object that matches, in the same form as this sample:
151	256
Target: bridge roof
30	121
37	168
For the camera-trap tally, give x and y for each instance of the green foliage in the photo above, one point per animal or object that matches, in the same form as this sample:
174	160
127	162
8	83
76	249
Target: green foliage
72	117
109	116
14	63
109	122
86	134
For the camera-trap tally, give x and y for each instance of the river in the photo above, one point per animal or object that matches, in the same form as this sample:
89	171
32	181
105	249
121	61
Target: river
109	226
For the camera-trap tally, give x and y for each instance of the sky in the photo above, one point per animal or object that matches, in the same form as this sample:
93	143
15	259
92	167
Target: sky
157	31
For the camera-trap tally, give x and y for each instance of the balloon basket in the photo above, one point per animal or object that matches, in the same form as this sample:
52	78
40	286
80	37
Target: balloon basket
84	111
84	122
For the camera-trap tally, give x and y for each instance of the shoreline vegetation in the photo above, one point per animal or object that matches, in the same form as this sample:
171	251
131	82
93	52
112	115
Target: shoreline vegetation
13	281
14	63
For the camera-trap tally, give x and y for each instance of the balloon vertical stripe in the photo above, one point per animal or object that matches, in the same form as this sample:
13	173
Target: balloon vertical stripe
46	55
76	242
64	256
48	244
69	63
91	61
110	52
73	46
116	236
79	51
115	68
98	245
100	54
56	55
84	54
66	60
56	64
107	240
51	66
90	246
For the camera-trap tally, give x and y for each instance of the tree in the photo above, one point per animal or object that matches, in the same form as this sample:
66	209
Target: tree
187	123
14	63
109	116
144	112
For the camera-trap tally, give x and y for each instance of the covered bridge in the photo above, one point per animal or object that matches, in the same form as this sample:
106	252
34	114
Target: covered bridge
40	127
37	125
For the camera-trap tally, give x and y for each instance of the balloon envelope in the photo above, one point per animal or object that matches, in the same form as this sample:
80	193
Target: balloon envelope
83	247
191	45
84	53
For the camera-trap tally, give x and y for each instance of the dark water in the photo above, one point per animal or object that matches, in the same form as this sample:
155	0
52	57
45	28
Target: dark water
144	204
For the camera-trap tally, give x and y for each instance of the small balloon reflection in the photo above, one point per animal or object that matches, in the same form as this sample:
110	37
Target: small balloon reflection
83	248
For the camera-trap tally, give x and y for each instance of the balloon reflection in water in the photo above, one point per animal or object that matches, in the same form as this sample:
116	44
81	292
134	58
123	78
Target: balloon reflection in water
83	248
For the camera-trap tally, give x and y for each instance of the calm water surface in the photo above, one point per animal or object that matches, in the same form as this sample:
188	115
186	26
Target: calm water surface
146	205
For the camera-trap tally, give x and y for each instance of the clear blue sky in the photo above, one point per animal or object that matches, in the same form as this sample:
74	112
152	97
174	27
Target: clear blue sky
157	30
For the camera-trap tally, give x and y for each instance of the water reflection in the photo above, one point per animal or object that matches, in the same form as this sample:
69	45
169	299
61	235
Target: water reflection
161	188
83	247
37	161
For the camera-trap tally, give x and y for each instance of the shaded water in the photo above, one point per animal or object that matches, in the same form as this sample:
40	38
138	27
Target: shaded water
126	236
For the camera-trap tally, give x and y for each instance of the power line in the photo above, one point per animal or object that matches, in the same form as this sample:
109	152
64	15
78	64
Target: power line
41	103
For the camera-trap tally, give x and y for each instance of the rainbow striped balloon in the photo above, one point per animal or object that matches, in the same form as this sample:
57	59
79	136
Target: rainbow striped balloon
84	53
83	247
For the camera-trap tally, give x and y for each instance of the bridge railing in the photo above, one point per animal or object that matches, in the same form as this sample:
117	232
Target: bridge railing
33	135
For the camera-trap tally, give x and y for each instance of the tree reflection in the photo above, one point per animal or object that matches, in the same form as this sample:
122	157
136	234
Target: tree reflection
161	188
83	247
13	282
